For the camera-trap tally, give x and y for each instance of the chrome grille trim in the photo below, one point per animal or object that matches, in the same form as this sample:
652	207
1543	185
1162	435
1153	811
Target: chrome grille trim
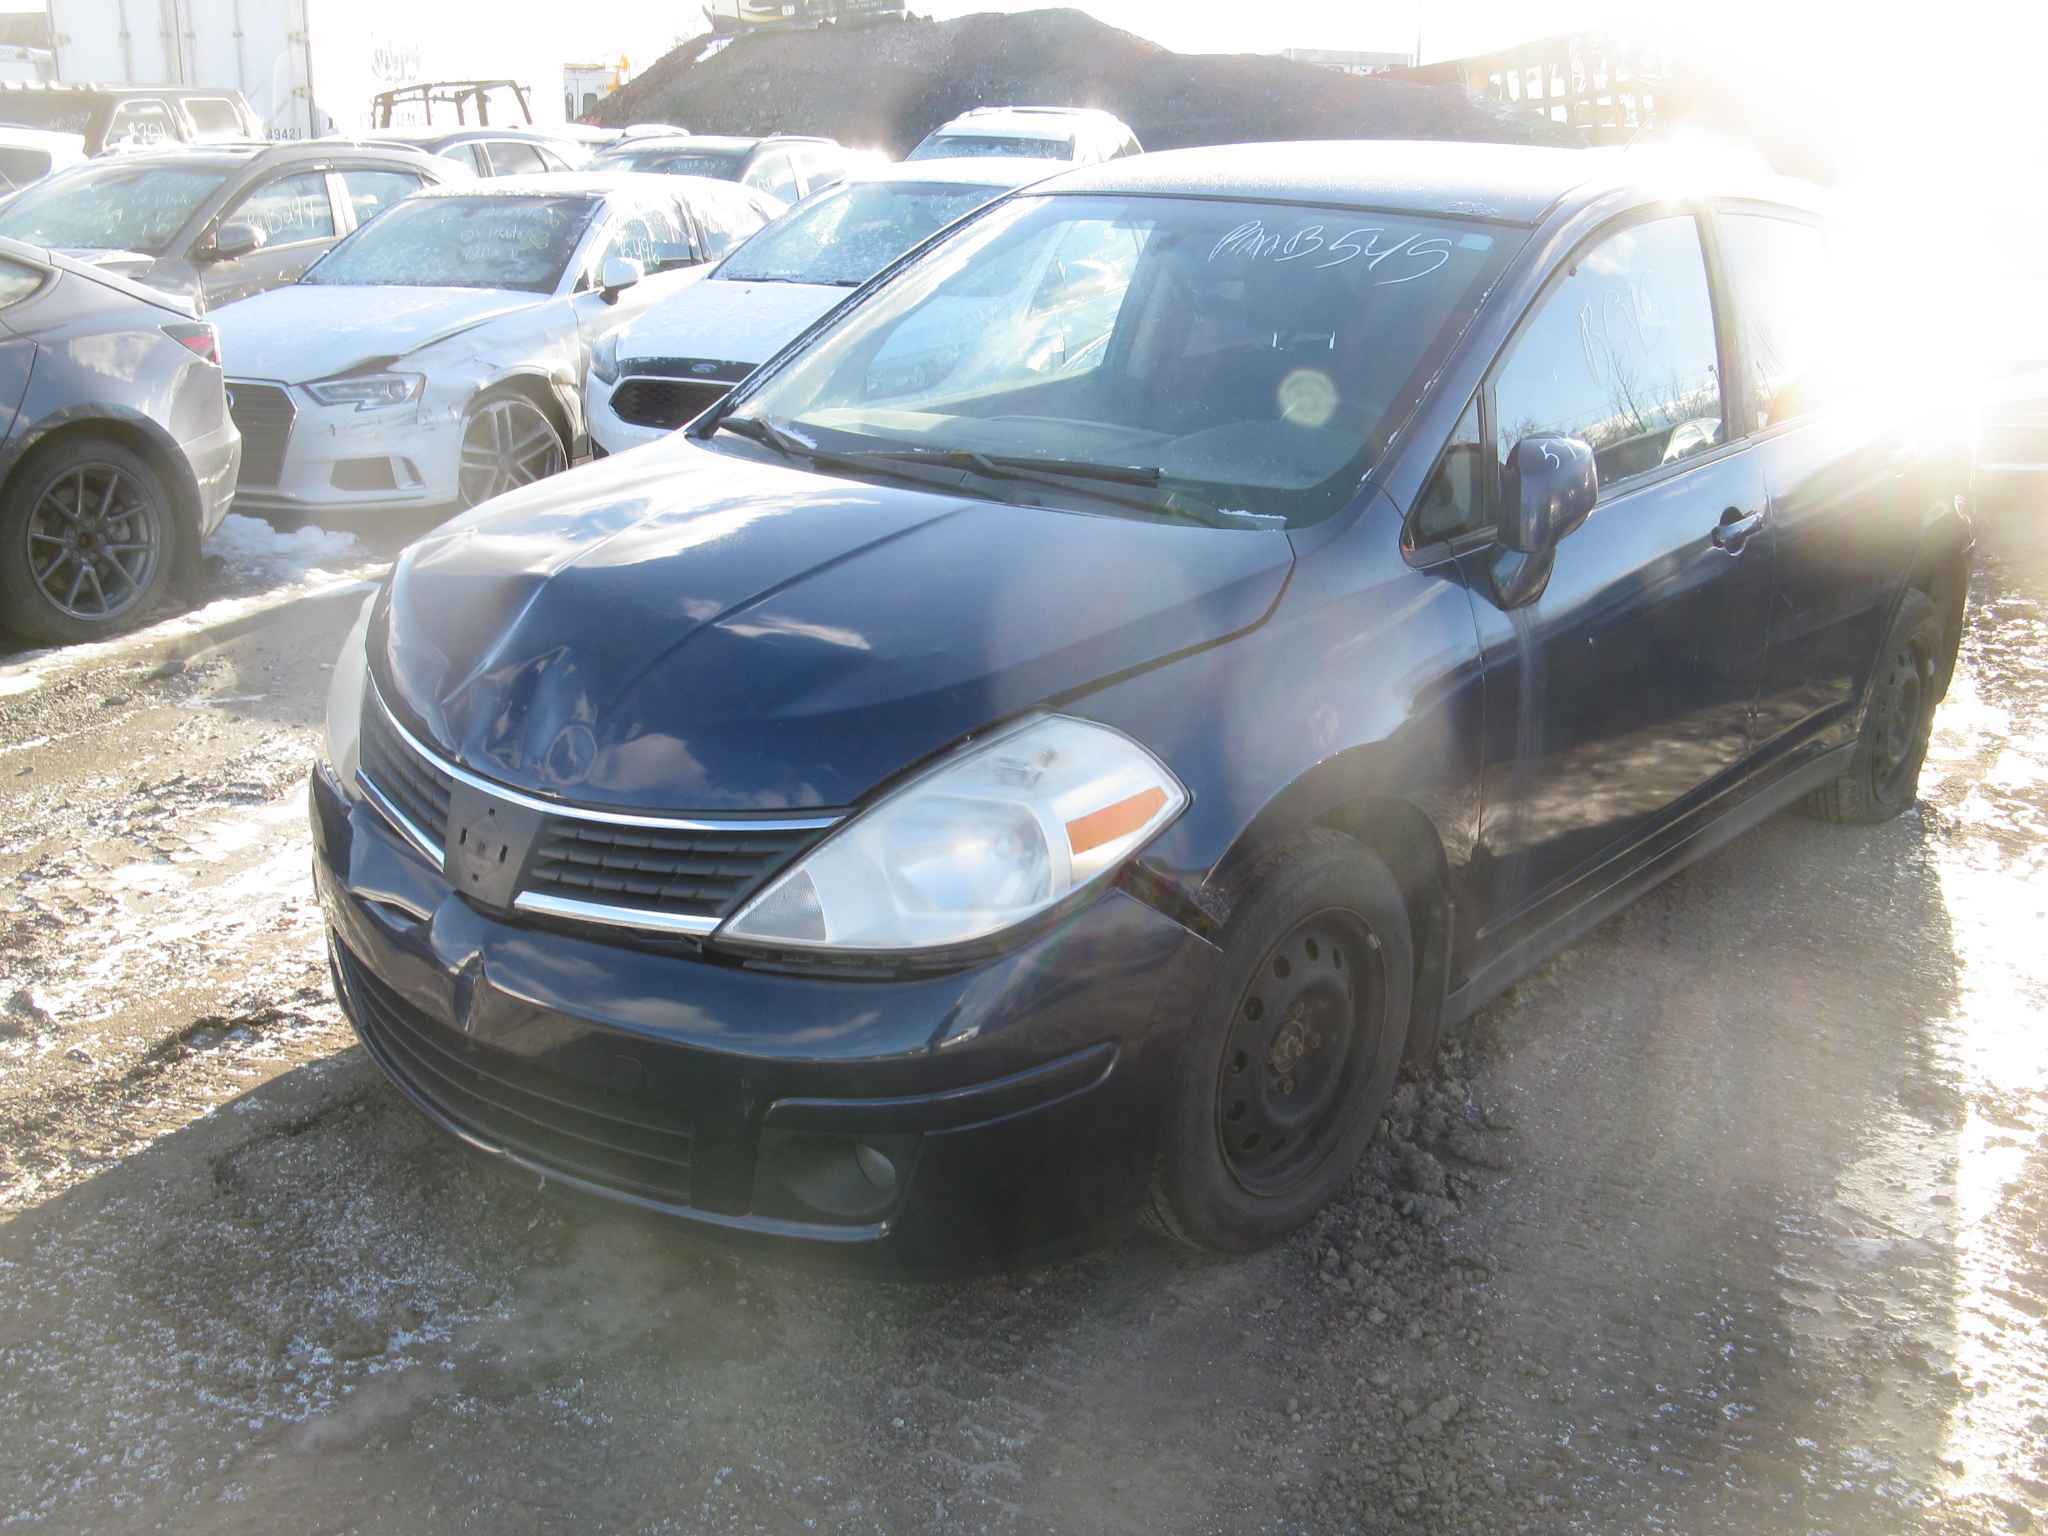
382	804
584	813
543	905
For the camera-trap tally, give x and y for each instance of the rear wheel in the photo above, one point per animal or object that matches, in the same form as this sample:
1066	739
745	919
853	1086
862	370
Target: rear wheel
1884	775
1284	1075
507	441
88	540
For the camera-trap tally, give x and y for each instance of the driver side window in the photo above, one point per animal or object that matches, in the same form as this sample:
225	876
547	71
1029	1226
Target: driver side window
1620	353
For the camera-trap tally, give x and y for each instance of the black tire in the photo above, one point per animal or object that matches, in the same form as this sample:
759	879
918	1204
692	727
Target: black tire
1884	776
1271	1107
89	539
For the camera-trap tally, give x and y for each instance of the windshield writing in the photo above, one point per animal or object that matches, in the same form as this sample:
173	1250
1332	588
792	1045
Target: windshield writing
124	208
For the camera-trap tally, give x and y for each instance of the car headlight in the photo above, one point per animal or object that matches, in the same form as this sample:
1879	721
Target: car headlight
604	357
370	391
345	698
991	836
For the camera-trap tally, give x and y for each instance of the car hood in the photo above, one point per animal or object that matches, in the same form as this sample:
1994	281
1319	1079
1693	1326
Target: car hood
682	629
310	331
724	322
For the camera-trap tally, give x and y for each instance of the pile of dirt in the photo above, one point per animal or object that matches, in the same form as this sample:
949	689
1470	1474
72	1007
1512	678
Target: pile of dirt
886	86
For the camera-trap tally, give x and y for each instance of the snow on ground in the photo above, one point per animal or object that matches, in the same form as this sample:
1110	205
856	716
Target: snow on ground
253	569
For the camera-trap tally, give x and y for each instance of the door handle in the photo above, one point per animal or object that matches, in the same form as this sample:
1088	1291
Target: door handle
1735	529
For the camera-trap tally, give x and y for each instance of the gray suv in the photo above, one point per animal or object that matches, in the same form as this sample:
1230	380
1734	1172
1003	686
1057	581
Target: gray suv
219	224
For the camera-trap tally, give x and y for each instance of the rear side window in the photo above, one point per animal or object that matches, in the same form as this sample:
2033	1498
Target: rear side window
371	192
1778	271
774	174
510	157
290	209
466	155
1620	353
141	125
725	218
214	117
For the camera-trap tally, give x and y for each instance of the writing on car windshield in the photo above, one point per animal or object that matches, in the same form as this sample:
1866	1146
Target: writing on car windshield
487	241
1253	359
719	166
124	208
850	234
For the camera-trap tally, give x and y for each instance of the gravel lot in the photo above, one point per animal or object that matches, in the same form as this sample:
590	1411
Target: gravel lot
1729	1220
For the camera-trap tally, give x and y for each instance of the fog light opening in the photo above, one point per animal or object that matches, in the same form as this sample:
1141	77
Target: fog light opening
828	1177
877	1165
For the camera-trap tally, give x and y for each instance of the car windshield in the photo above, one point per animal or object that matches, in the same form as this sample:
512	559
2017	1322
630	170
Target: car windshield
488	241
61	111
112	207
718	164
847	235
1250	358
963	146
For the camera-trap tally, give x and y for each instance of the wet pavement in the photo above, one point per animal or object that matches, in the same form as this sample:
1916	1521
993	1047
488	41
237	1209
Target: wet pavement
1732	1218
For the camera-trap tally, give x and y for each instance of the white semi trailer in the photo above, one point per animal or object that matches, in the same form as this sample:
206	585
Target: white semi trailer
309	67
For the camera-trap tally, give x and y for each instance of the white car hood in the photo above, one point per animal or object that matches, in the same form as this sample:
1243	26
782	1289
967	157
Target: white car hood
315	330
728	322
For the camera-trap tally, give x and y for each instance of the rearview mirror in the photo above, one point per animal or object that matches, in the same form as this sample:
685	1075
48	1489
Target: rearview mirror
619	274
237	239
1547	489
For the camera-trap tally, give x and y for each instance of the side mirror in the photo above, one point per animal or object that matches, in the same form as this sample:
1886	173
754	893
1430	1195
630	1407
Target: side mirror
1547	490
237	239
618	274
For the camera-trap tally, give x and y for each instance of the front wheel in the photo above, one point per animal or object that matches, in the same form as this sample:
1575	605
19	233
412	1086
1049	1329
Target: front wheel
88	540
1284	1074
1884	776
507	441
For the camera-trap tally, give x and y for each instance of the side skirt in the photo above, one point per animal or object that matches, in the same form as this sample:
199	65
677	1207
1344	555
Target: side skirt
1648	865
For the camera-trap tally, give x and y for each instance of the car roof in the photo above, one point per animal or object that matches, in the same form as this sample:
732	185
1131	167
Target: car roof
710	141
586	184
997	171
41	138
1508	183
1030	122
458	135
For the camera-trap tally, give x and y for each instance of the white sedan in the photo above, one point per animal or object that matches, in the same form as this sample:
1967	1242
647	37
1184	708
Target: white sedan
435	357
667	367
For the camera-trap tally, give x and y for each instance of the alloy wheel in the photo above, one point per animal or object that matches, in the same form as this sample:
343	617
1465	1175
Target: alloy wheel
94	540
507	443
1306	1025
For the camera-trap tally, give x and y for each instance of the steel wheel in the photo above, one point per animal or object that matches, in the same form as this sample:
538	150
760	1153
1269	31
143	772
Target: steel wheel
506	443
1307	1024
1904	695
94	541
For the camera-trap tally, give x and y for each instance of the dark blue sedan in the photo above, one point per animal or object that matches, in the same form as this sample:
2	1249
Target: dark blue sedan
1065	731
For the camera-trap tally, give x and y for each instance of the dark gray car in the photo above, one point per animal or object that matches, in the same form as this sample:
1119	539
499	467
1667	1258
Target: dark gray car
215	225
119	456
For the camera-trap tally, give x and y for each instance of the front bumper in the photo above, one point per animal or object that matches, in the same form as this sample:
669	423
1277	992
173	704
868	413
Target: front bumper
607	431
1017	1098
310	457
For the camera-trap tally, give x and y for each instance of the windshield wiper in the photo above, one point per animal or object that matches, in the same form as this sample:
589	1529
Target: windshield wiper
1063	473
1095	480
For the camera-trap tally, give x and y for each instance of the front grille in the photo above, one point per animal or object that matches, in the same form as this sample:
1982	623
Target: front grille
696	872
561	1122
665	403
416	788
263	414
676	873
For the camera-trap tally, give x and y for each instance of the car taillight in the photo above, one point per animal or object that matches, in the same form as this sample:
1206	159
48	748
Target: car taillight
199	339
